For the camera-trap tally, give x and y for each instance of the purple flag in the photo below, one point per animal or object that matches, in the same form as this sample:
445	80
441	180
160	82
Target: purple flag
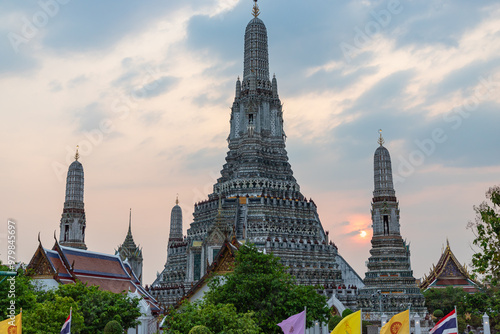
296	324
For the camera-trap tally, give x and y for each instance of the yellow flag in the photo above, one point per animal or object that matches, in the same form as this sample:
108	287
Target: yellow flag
399	324
349	325
11	326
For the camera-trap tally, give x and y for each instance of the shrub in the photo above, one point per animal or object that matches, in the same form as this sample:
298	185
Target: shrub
334	321
364	326
200	330
346	313
438	314
113	327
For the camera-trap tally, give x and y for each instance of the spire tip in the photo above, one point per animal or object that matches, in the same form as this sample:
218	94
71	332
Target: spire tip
130	222
381	140
255	11
77	155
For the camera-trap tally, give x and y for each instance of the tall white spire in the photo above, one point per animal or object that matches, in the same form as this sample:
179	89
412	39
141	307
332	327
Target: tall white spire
389	272
256	58
73	223
382	170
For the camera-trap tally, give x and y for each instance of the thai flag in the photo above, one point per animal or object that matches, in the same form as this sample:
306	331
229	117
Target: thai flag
66	328
447	325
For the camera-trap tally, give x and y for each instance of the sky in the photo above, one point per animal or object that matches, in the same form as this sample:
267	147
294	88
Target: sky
145	90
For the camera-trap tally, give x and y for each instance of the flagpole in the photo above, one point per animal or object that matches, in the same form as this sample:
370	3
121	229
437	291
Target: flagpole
70	311
456	317
305	321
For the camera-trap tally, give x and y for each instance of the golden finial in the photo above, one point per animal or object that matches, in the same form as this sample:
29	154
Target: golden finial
381	140
177	200
255	11
77	155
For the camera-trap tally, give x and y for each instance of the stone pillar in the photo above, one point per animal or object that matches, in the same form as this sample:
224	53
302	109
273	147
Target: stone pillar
383	320
486	324
416	318
316	328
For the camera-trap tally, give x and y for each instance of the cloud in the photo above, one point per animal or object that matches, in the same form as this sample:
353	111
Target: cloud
463	78
441	22
55	86
386	92
151	117
90	117
15	64
82	27
75	82
155	88
351	234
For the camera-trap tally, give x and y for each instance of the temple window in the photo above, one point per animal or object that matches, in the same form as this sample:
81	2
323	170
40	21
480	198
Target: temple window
386	225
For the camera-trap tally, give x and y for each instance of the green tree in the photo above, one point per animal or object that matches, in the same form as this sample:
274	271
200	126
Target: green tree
46	311
475	305
445	300
99	307
486	229
113	327
50	315
22	291
260	284
220	318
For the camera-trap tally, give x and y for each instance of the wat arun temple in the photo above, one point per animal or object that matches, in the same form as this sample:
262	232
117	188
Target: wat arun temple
257	200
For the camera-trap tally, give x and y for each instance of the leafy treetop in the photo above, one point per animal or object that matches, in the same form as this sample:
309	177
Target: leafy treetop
486	229
260	284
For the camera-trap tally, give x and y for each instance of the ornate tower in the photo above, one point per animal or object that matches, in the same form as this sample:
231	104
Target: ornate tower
175	223
257	198
389	283
72	226
168	287
261	201
130	252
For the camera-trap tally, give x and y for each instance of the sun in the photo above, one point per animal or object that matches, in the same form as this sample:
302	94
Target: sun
362	234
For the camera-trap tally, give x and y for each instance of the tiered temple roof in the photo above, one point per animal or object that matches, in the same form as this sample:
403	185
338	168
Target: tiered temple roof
66	265
449	272
130	252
